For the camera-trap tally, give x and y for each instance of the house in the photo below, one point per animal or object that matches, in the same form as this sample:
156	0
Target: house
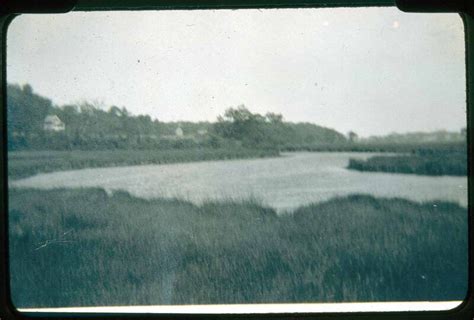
53	123
202	132
179	132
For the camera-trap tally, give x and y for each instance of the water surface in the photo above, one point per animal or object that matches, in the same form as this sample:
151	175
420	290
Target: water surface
284	183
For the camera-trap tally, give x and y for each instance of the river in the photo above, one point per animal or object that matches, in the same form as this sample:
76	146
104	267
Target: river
284	183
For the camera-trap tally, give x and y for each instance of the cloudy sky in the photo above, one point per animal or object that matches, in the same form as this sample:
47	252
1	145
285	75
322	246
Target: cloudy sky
373	71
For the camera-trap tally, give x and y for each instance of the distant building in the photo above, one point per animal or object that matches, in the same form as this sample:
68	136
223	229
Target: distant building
202	132
179	132
53	123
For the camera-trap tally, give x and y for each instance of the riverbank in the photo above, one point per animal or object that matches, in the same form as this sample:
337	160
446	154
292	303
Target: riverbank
429	158
22	164
402	148
83	247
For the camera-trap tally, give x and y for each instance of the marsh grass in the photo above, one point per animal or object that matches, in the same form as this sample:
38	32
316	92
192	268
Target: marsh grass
450	159
22	164
83	247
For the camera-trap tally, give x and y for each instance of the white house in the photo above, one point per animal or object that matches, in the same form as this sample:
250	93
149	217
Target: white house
179	132
53	123
202	132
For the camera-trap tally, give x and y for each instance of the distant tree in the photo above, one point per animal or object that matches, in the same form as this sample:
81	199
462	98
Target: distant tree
27	89
352	136
270	131
91	126
26	112
87	107
238	115
125	112
241	124
88	126
115	111
274	117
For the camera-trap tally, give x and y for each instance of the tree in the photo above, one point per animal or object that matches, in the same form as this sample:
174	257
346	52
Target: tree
352	136
27	89
251	129
115	111
26	113
238	115
274	118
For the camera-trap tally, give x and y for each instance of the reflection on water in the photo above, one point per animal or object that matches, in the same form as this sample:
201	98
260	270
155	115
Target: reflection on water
283	183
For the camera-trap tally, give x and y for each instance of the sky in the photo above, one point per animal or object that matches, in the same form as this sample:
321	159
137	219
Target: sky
374	71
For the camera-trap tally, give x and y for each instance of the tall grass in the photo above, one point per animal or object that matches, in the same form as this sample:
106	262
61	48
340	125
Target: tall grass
83	247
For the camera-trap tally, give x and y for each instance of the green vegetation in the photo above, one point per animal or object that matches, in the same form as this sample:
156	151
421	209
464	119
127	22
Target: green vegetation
448	160
440	136
88	127
22	164
427	147
82	247
93	137
270	131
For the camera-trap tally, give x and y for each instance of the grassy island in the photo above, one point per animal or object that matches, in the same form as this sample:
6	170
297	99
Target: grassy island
423	161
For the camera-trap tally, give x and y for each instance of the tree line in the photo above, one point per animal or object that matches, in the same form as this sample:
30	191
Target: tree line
88	127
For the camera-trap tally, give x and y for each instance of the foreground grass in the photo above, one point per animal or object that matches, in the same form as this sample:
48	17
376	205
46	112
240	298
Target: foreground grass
22	164
83	247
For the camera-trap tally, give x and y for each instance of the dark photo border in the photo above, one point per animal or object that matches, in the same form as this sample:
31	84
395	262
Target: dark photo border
11	8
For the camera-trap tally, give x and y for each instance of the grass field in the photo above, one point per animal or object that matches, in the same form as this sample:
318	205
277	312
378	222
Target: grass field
22	164
82	247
